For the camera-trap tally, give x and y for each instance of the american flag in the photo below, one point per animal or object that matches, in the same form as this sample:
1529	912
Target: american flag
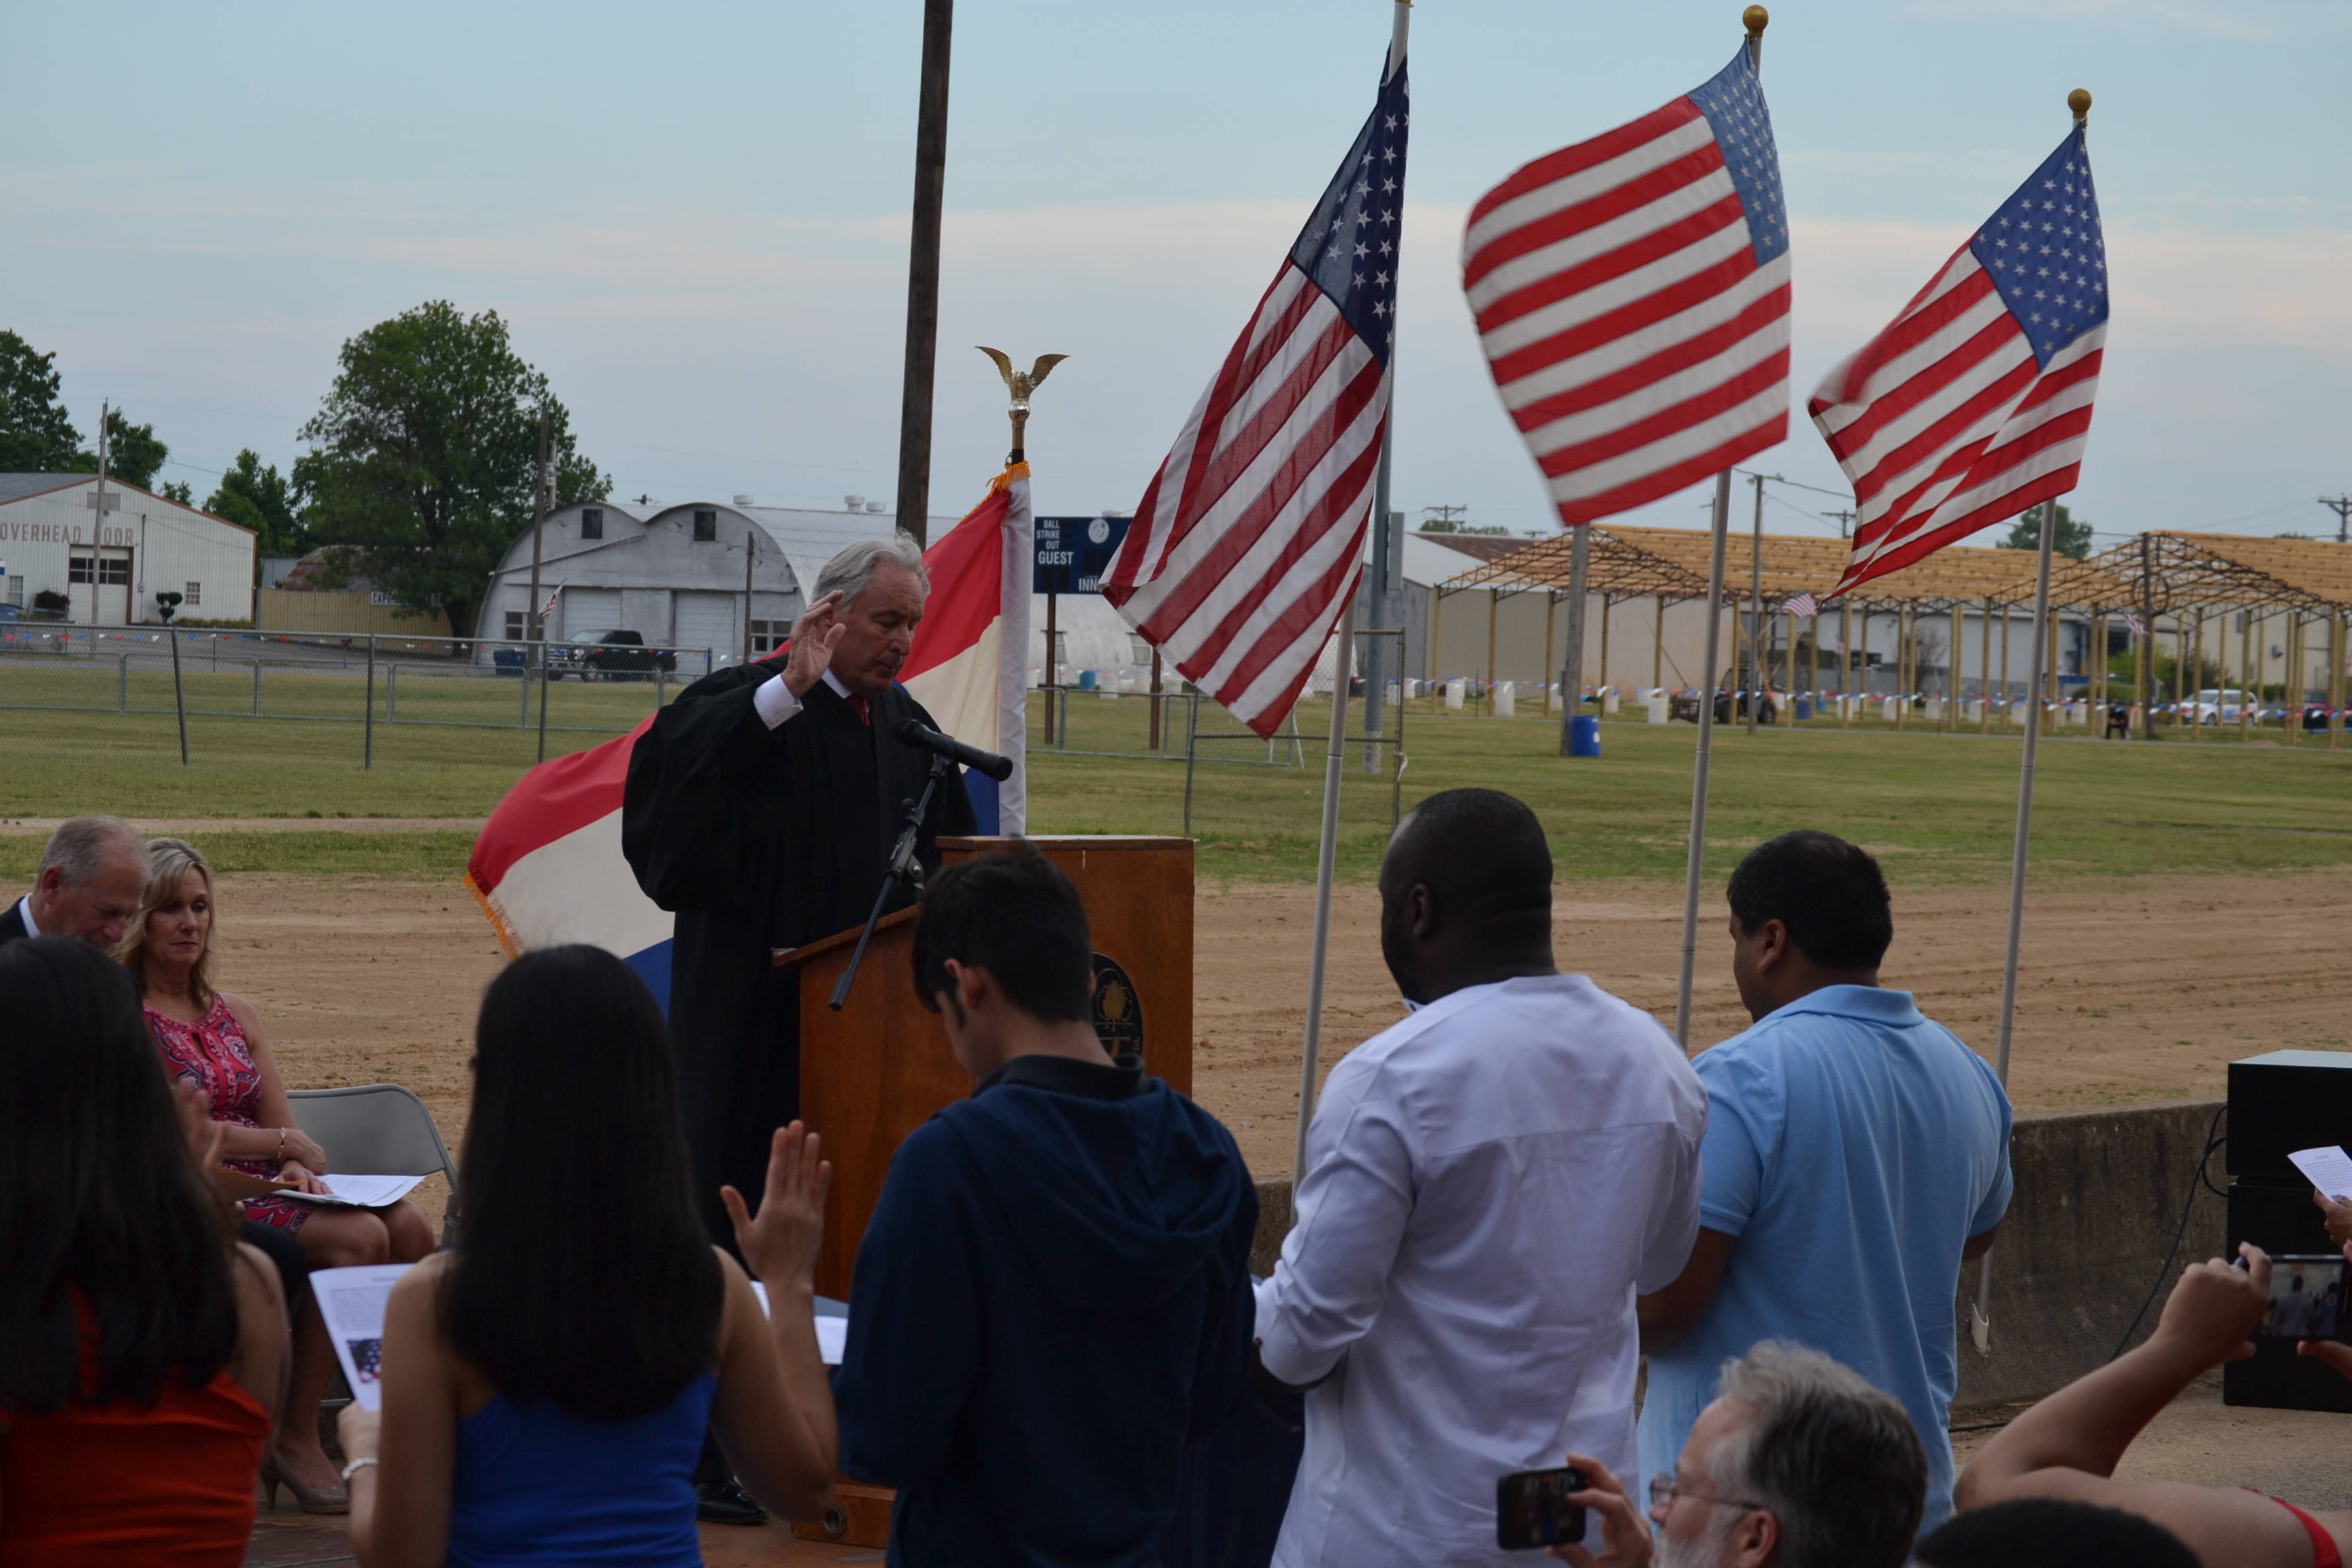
1976	403
1632	294
2132	622
1250	538
1800	605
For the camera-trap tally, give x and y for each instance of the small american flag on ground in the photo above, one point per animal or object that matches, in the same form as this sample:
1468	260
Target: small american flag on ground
1250	535
1976	403
1632	295
1800	605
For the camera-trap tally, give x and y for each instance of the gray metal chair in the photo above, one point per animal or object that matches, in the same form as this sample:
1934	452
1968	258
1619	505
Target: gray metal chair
379	1129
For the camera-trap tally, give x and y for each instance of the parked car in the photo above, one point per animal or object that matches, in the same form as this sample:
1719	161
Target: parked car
612	656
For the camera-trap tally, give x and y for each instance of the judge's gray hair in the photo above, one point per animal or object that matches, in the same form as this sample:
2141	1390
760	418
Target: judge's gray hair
81	845
851	570
1836	1460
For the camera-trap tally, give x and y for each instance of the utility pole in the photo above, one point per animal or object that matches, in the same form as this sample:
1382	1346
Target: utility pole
750	553
1844	522
530	620
923	274
2341	507
1756	659
530	628
1448	515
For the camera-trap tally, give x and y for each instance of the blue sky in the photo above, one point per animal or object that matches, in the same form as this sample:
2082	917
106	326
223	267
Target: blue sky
693	216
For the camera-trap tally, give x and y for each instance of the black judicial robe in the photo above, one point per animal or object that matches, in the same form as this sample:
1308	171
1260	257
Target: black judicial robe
757	840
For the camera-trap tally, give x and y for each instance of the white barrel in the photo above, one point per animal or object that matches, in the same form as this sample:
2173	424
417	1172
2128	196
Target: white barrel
1659	704
1507	698
1607	701
1455	690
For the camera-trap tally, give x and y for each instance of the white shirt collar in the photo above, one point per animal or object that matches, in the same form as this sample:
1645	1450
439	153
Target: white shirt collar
834	681
25	909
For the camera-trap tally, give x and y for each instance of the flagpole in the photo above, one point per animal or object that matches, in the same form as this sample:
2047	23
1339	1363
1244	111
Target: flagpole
1327	849
1722	533
1755	18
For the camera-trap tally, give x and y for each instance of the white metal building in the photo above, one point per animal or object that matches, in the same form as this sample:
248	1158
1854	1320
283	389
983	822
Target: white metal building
52	541
673	572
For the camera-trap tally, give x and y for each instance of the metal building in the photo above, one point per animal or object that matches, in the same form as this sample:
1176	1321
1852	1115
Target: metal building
53	541
675	573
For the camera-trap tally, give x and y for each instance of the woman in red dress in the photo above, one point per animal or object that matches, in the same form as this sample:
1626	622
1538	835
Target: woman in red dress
214	1041
141	1350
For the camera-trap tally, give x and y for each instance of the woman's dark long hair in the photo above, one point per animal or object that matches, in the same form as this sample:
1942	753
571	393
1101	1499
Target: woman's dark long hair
584	1275
98	1193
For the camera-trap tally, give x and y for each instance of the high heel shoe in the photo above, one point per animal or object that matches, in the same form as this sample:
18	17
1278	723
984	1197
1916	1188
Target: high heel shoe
276	1472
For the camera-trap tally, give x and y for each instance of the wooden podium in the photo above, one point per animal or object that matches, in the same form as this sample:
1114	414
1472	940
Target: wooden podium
880	1067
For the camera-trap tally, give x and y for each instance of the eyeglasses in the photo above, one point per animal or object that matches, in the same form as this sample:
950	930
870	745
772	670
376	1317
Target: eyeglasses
1662	1492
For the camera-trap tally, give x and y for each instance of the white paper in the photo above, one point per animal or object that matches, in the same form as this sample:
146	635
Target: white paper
352	1302
2329	1169
831	1333
358	1192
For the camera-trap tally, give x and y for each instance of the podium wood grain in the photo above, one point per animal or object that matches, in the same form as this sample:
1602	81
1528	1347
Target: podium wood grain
880	1067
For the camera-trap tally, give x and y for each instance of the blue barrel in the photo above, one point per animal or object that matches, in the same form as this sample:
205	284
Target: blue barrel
1804	707
1585	736
1087	680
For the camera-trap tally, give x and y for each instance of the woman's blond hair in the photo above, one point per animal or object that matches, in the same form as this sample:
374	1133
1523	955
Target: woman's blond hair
169	862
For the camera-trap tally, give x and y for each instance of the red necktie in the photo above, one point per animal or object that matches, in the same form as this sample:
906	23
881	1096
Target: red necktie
857	705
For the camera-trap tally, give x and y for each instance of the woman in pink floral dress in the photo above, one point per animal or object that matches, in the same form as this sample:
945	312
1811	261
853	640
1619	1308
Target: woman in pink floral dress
216	1042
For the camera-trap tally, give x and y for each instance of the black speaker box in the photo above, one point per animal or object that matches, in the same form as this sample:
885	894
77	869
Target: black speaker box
2283	1102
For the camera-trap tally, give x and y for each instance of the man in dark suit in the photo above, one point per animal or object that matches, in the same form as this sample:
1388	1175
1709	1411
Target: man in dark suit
92	874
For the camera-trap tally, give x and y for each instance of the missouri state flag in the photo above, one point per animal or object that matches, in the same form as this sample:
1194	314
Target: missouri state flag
548	868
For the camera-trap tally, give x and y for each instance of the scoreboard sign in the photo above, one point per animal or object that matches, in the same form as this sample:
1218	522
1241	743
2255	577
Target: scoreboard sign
1073	553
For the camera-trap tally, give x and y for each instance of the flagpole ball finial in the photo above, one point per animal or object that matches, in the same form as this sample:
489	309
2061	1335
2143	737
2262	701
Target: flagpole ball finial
1756	19
2079	100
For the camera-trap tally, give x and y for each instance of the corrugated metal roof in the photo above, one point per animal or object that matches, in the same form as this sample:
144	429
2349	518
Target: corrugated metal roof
16	487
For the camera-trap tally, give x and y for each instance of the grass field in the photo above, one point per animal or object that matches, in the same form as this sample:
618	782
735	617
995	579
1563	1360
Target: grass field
1943	803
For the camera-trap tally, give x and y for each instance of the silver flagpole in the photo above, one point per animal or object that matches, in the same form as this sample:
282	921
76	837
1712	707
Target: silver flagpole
1980	1317
1755	18
1705	749
1327	849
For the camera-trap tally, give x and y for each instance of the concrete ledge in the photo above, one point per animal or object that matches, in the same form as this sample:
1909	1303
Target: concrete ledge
2099	1194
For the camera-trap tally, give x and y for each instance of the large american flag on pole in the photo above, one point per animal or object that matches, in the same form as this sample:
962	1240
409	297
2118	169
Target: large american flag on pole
1250	538
1976	403
1632	294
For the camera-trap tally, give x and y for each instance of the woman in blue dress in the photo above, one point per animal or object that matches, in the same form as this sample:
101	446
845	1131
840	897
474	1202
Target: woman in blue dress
547	1382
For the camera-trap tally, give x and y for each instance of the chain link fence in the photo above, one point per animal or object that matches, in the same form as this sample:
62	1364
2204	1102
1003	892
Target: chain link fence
362	681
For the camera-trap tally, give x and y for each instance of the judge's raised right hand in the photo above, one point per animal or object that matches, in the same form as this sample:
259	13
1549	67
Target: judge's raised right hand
814	636
780	1246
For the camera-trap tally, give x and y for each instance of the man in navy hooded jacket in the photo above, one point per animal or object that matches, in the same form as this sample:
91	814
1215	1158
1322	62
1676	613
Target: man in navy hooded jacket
1053	1296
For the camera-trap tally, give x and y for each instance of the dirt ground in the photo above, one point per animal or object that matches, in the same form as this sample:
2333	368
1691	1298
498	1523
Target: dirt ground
2134	990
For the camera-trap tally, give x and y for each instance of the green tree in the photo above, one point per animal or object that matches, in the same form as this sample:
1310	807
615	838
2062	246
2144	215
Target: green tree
261	498
179	490
36	434
2073	539
424	458
132	453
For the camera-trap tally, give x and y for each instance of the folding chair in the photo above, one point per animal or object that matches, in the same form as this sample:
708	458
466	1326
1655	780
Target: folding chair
379	1129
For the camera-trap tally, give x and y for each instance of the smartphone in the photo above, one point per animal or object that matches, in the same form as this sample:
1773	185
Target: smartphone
2306	1298
1532	1509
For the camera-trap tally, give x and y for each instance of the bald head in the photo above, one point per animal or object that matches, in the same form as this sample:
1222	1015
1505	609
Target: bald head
1466	894
92	874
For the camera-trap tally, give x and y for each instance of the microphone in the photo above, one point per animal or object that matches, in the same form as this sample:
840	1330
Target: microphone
910	733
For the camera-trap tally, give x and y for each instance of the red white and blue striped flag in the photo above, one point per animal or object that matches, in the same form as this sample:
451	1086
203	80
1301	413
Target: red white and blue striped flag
1250	538
1632	295
1975	403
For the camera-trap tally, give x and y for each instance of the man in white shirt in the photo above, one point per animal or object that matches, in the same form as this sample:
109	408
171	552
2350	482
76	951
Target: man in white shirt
92	873
1488	1185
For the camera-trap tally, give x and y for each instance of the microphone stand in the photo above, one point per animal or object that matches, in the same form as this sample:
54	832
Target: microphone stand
904	867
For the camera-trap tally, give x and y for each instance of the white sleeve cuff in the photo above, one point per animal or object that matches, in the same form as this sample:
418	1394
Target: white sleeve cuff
775	701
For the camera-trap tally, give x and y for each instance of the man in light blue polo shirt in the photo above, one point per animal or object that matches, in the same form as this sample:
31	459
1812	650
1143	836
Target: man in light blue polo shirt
1855	1156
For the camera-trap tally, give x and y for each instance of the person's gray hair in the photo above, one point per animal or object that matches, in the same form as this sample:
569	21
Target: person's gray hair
851	570
1836	1460
80	845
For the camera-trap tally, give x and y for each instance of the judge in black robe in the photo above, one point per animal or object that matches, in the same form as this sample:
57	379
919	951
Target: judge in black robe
762	837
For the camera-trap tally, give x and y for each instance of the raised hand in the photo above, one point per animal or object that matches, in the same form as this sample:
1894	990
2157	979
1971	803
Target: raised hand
2338	1217
780	1246
815	636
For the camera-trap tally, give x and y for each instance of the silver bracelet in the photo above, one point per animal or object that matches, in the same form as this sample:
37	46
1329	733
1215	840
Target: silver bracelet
351	1469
